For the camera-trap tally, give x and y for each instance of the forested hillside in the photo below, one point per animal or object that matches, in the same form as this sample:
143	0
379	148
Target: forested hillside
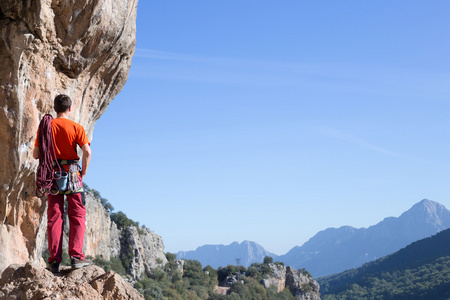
418	271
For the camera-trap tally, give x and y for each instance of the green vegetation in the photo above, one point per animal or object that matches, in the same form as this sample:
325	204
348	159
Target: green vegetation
419	271
199	283
122	221
430	281
114	264
105	203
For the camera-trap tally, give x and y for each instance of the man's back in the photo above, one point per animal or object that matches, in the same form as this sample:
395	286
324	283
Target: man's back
66	135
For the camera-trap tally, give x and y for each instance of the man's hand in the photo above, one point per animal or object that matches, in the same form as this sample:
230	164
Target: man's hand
36	153
86	159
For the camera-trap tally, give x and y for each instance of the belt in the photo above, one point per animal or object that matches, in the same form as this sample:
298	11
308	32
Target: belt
63	162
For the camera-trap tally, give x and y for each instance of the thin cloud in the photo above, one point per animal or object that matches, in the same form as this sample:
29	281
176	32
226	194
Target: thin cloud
311	69
197	68
340	77
333	133
359	142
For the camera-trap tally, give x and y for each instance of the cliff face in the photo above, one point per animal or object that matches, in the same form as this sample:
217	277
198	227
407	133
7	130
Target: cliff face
147	248
102	238
82	48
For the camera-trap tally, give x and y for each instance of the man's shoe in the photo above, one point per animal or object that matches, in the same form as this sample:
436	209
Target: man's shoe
78	263
54	266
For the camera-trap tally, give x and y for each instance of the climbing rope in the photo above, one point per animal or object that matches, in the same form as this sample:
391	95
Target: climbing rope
45	173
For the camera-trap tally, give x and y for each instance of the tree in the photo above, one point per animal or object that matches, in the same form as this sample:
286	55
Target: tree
122	221
268	260
109	207
194	271
171	257
223	273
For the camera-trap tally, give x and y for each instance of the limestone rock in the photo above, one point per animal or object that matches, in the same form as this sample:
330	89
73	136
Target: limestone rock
111	286
301	285
114	244
33	282
82	48
277	278
148	250
101	236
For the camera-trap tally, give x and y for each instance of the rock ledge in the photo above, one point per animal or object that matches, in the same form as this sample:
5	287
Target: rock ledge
30	281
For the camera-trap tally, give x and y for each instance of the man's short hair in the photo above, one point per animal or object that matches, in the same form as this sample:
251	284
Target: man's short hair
62	103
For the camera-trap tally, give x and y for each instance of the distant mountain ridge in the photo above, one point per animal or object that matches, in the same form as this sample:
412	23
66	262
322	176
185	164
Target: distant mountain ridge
334	250
396	276
220	255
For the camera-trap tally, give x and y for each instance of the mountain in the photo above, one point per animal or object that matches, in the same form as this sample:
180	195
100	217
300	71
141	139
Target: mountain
220	256
419	271
334	250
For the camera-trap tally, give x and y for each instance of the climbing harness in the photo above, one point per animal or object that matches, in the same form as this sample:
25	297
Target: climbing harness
70	181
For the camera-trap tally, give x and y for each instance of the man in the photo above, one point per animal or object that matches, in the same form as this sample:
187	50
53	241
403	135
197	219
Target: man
66	136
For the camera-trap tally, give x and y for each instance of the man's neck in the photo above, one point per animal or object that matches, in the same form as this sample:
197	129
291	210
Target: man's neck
64	115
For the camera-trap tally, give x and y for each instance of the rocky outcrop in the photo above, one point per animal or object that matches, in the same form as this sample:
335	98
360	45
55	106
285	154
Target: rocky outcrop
146	248
101	237
82	48
33	282
277	277
301	285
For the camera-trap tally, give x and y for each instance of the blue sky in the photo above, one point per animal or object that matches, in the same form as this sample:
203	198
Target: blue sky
272	120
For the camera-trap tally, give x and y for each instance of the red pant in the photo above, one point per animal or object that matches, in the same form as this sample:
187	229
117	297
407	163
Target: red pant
55	213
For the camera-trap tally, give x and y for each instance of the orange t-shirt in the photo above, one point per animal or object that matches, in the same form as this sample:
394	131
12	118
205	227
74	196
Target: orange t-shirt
66	135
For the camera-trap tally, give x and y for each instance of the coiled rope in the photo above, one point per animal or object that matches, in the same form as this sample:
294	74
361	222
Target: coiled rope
47	156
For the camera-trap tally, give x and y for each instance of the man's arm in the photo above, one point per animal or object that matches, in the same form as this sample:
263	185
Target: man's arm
86	159
36	153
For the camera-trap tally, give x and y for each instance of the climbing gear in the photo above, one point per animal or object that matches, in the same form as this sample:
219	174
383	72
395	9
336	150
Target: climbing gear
78	263
62	181
74	178
70	181
45	173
